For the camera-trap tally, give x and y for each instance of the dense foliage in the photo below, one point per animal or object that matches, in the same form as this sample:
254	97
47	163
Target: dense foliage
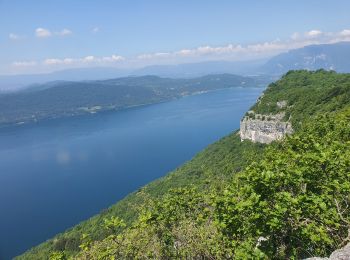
293	203
305	94
287	200
296	198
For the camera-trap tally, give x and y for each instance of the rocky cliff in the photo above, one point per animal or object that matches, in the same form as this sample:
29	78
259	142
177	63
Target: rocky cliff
264	128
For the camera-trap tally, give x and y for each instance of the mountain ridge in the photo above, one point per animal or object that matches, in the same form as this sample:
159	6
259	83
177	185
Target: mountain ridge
312	57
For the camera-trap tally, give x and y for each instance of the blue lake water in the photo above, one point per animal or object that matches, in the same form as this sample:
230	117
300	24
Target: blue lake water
56	173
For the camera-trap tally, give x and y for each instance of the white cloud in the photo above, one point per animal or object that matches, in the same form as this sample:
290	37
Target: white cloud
52	61
313	33
95	29
345	33
83	61
145	56
45	33
89	58
68	61
251	51
232	52
64	32
42	33
184	52
65	61
113	58
13	36
24	63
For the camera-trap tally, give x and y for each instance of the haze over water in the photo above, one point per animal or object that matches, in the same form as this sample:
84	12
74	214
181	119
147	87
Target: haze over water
56	173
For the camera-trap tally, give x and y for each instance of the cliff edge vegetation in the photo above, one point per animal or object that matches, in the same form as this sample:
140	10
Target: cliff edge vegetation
293	100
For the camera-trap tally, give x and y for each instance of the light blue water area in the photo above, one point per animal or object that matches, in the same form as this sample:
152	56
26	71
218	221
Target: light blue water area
56	173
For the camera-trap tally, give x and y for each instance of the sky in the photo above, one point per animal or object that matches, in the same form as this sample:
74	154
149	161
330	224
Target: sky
39	36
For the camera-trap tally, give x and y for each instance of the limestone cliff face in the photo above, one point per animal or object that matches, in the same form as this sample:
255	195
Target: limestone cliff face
264	128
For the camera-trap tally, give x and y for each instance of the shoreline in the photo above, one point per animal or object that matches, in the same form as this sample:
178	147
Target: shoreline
111	110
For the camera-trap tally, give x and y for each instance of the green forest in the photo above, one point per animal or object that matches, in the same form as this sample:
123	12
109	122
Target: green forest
239	200
68	98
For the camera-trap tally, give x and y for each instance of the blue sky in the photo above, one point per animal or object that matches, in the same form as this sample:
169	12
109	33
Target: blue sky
45	35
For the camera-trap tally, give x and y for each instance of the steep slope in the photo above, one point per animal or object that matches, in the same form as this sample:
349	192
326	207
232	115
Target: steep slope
294	98
240	199
324	56
291	204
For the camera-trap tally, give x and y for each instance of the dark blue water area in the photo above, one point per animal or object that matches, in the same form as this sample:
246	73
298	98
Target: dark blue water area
56	173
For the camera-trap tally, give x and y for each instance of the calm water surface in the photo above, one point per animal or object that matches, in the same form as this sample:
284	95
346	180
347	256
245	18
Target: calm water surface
56	173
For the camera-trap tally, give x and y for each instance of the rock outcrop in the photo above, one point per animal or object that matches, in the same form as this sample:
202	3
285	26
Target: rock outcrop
264	128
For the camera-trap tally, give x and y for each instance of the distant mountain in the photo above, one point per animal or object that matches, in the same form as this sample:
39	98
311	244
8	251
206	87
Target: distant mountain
67	98
186	70
324	56
16	82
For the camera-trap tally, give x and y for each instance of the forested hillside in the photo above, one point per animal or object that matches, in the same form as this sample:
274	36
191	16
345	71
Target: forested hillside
305	94
64	98
242	200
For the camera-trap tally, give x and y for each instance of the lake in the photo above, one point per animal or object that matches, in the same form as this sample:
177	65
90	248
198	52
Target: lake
56	173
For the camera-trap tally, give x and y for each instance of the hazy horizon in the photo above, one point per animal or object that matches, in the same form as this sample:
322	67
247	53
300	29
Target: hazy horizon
43	37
